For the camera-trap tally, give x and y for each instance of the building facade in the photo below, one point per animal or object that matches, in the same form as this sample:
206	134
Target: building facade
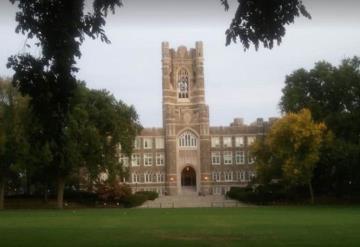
187	155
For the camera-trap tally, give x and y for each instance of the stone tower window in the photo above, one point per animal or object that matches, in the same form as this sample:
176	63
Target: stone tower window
188	140
183	84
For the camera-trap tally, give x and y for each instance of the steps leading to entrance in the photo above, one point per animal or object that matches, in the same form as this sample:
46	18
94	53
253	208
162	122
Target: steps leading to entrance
192	201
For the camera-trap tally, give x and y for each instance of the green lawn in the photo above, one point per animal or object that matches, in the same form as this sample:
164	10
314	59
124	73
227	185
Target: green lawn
263	226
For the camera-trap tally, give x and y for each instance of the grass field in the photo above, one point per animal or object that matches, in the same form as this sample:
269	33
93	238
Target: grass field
263	226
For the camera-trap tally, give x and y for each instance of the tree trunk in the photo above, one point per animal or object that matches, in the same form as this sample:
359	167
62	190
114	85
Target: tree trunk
311	192
2	192
60	192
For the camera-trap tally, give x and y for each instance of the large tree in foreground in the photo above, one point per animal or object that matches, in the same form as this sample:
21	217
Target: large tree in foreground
332	94
291	150
59	27
262	21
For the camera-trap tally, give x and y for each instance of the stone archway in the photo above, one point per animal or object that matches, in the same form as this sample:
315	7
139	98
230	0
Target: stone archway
188	177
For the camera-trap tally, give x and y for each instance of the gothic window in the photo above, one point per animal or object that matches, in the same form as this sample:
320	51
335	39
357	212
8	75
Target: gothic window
188	140
183	84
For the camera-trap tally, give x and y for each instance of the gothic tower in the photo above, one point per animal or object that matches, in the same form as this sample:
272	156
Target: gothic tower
185	120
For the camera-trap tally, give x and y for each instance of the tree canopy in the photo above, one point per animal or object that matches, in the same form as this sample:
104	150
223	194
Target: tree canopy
262	22
13	144
332	94
59	28
291	150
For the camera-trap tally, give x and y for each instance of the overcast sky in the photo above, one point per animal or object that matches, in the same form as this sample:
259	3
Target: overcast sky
238	84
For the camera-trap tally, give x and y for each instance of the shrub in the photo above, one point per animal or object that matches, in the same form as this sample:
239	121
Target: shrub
82	197
134	200
259	195
113	192
150	195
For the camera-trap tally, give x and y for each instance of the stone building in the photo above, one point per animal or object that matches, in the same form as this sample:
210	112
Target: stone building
187	155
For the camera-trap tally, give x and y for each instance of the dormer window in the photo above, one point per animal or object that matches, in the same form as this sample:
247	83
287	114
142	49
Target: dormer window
183	84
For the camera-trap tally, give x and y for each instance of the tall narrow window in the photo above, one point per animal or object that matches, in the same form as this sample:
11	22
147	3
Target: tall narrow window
183	84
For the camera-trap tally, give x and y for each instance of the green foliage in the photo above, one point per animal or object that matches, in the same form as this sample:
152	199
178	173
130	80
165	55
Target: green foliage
150	195
291	150
262	194
332	94
13	142
134	200
258	21
82	197
59	27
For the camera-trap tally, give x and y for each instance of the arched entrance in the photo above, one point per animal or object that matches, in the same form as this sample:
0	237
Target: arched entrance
188	177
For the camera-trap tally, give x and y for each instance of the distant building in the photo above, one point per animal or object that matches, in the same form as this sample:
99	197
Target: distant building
187	155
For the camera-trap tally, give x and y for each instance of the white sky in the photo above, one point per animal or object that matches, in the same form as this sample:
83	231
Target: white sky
238	84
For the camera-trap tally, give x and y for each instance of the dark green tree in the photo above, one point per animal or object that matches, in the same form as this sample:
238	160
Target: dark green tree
262	22
13	145
99	124
59	28
333	96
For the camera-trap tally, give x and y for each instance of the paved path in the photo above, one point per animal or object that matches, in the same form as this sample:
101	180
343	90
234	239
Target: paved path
192	201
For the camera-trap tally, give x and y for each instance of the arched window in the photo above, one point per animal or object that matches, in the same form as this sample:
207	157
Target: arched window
188	140
183	84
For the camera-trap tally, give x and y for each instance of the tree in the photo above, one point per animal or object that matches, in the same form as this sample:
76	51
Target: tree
332	94
99	124
291	149
13	108
59	27
259	21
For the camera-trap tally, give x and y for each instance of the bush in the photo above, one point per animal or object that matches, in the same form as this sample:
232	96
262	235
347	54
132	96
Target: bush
134	200
82	197
259	195
150	195
113	192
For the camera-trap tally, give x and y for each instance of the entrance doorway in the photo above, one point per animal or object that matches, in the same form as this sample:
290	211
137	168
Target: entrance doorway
188	177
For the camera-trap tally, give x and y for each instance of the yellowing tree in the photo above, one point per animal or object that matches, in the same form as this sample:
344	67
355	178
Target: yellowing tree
291	149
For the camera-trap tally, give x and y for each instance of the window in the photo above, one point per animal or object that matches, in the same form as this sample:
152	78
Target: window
250	140
160	157
160	177
247	176
147	143
216	158
216	176
240	157
227	142
183	84
135	159
239	141
251	159
147	177
159	143
228	158
215	142
228	176
188	140
241	176
136	178
137	143
148	157
124	160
